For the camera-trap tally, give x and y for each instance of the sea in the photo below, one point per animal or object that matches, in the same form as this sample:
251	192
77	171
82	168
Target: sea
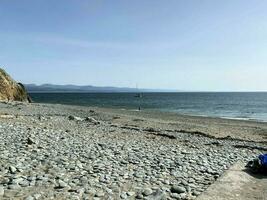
231	105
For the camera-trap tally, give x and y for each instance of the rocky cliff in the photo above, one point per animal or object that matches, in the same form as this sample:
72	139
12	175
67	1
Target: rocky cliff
10	90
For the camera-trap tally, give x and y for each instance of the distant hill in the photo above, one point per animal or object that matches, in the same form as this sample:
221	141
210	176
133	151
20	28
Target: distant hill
50	88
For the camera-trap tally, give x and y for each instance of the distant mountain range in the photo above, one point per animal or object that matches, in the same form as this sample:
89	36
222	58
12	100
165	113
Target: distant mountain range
50	88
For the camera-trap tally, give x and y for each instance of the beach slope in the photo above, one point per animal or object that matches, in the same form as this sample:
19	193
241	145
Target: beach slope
72	152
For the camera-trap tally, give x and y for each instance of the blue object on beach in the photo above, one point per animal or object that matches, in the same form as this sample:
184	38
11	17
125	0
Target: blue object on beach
263	159
258	165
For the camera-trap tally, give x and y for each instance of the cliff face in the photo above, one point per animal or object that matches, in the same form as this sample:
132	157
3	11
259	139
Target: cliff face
10	90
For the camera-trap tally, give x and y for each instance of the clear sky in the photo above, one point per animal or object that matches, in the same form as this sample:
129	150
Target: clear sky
218	45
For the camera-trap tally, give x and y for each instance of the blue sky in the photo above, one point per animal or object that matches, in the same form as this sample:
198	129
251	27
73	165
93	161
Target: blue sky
173	44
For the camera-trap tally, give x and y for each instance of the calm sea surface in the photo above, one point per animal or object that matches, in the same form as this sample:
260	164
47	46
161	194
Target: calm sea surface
247	106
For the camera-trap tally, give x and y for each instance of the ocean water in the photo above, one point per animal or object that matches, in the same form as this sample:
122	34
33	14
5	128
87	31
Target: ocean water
245	106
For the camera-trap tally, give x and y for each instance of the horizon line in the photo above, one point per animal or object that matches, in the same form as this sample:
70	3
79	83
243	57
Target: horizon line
160	90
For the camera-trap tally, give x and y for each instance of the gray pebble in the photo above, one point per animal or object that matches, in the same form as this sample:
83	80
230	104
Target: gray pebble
178	189
123	195
147	192
62	184
2	191
12	169
29	198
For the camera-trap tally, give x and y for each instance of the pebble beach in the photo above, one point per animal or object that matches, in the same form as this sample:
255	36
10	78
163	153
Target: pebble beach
72	152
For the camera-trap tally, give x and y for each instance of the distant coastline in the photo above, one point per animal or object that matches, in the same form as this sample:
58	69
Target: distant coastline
51	88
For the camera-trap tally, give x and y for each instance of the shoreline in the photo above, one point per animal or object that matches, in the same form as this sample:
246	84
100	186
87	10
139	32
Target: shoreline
79	152
154	111
248	130
213	126
252	110
162	111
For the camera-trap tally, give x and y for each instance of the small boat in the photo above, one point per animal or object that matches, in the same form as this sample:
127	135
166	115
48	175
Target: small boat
139	95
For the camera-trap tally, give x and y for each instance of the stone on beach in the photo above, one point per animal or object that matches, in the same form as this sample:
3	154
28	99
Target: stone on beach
30	141
62	184
87	119
2	191
158	195
12	169
147	192
178	189
91	120
71	117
